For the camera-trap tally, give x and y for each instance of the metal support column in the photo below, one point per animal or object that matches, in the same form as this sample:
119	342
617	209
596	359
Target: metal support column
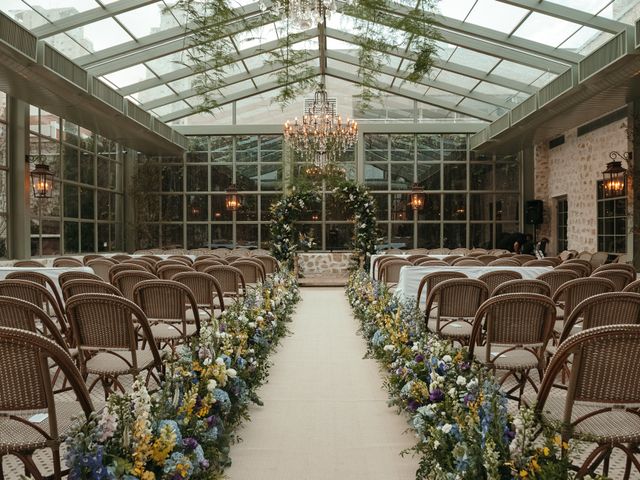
130	167
19	194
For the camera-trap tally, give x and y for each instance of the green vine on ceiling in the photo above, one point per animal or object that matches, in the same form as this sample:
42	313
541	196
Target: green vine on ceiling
381	27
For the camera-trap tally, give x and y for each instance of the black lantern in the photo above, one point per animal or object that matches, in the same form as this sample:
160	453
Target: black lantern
417	197
41	178
614	178
232	200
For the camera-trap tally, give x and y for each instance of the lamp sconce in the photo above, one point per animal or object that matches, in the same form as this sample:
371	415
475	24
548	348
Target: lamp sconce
614	178
41	177
417	197
232	199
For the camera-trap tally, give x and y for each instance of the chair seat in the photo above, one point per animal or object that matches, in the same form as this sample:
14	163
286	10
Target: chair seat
455	329
512	360
106	363
202	313
171	331
617	425
18	437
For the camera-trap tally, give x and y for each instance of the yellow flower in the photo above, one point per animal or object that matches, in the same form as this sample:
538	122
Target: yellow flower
546	451
148	476
524	474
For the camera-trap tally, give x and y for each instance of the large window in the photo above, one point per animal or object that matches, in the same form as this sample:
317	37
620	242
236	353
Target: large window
471	200
84	211
612	222
562	217
3	176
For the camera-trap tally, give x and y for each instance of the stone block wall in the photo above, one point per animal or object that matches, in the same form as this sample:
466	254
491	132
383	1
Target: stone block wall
572	170
318	264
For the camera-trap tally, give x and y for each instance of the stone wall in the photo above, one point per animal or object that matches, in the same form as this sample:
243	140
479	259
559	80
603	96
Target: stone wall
317	264
572	169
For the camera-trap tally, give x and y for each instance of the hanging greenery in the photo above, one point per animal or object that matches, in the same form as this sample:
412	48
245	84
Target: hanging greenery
286	235
357	201
381	27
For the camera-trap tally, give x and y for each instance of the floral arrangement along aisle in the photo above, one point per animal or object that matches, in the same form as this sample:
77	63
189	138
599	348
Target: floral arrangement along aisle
457	409
185	429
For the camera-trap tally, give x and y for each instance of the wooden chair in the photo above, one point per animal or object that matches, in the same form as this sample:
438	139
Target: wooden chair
614	308
556	277
497	277
620	278
67	262
379	262
467	262
163	302
525	285
77	287
206	290
504	262
110	331
458	301
27	359
510	333
600	402
168	271
230	279
29	263
202	265
127	280
124	266
578	261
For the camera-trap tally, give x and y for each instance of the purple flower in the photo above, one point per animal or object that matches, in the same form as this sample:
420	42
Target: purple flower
190	443
419	358
413	405
436	395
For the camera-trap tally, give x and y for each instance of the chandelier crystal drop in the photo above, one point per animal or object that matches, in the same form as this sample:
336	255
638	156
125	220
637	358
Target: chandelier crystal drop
321	136
303	14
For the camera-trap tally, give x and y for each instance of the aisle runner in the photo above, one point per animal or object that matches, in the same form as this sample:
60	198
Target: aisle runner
325	415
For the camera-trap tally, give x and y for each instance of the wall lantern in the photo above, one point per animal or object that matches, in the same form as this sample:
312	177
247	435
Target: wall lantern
417	197
614	178
315	216
41	177
232	200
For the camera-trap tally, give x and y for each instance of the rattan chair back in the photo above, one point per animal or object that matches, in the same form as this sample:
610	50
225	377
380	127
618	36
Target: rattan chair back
77	287
467	262
389	271
251	271
270	263
27	359
504	262
557	277
486	259
92	256
168	271
202	265
539	263
450	258
617	266
573	292
146	263
19	313
523	258
64	277
432	263
620	278
604	309
230	279
101	267
633	287
119	257
205	288
149	258
126	281
497	277
180	258
40	279
430	280
525	285
165	300
29	263
67	262
122	267
581	267
416	257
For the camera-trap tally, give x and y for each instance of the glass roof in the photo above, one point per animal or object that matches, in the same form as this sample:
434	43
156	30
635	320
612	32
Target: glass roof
492	54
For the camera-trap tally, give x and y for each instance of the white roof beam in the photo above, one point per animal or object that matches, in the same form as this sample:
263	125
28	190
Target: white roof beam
90	16
571	15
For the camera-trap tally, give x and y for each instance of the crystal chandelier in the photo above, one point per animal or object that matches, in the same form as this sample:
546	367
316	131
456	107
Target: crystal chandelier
302	14
321	137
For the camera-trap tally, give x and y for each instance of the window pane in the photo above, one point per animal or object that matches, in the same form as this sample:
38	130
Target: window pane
402	148
197	178
70	160
171	208
376	148
221	149
507	176
481	235
247	177
197	236
454	235
70	202
221	178
219	212
87	203
103	237
271	177
247	149
172	178
375	176
401	176
247	235
481	206
197	208
507	207
265	205
339	236
401	235
382	205
172	236
455	177
429	176
71	230
428	235
87	231
103	172
455	207
248	208
222	236
481	176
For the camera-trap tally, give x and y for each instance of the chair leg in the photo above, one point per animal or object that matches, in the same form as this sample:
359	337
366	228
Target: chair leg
30	468
593	460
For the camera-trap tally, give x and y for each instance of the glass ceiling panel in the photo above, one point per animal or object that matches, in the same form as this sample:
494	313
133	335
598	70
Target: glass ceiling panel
473	59
70	47
103	34
442	96
482	108
546	29
146	20
256	36
168	63
492	89
589	6
183	84
496	15
153	93
516	71
586	40
455	79
59	9
172	107
128	76
458	9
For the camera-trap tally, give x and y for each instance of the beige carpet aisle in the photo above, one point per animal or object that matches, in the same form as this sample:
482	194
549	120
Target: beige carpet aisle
325	415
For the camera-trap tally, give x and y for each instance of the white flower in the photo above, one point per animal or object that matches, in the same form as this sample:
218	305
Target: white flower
446	358
473	384
259	318
446	428
461	380
389	348
231	373
211	386
453	392
436	444
207	362
219	361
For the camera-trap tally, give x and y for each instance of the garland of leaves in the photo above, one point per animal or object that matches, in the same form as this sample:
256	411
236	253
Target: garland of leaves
285	235
357	200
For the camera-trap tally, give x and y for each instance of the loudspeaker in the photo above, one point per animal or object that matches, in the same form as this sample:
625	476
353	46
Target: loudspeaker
533	212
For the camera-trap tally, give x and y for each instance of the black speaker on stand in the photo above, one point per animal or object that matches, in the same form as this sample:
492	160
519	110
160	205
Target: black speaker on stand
533	215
